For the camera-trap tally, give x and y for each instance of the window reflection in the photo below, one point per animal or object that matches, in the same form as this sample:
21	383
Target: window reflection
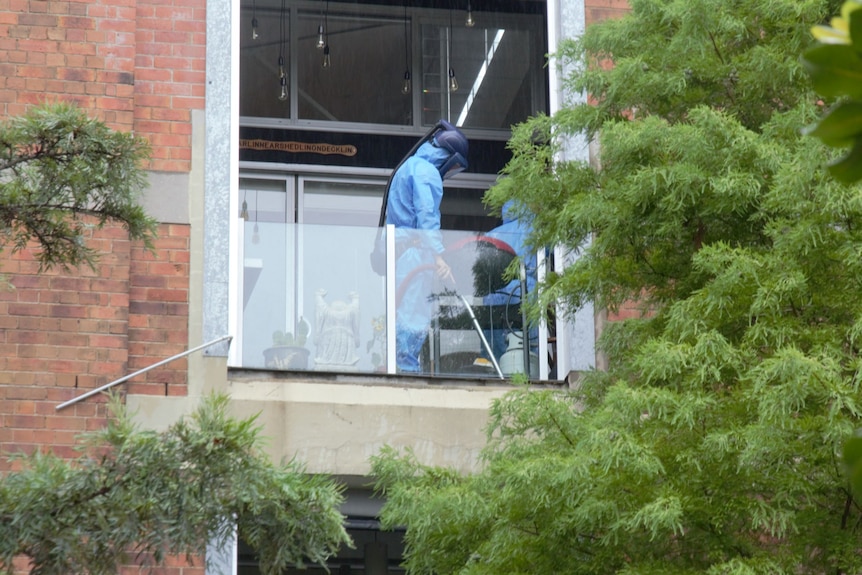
363	82
258	71
499	65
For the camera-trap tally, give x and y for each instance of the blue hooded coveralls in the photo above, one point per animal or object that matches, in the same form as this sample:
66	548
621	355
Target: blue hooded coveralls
513	232
414	209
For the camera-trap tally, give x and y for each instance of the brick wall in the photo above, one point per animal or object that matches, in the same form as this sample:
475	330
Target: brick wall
144	565
137	65
170	69
64	333
597	10
171	565
159	312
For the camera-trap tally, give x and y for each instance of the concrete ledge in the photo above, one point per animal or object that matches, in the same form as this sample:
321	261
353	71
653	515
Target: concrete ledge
334	423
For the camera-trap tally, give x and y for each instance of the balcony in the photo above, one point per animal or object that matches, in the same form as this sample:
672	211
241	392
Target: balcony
309	300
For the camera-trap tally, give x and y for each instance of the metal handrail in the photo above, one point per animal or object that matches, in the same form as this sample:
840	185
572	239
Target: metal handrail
140	371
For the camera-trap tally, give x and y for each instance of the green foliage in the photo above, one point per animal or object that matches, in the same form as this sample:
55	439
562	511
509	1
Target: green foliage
713	444
835	66
135	492
62	173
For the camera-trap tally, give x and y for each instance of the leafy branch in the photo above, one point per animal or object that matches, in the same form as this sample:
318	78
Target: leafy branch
63	174
835	67
166	493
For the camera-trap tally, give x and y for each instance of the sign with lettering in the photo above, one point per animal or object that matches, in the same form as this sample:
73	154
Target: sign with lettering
298	147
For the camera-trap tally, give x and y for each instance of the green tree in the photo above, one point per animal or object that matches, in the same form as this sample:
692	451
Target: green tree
835	65
713	442
135	492
61	174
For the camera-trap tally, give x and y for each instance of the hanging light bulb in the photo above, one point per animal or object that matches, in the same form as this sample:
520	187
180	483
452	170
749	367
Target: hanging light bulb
243	212
321	40
469	21
254	34
326	60
282	80
255	236
282	76
406	83
453	81
321	29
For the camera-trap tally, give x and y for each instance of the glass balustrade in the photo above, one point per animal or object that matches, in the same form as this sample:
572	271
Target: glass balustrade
311	301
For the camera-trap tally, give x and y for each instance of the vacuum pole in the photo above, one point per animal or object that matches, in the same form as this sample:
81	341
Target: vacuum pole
482	336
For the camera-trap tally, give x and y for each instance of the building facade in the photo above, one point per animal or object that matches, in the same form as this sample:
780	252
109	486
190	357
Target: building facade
270	157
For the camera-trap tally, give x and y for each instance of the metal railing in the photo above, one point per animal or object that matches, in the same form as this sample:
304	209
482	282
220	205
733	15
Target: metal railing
140	371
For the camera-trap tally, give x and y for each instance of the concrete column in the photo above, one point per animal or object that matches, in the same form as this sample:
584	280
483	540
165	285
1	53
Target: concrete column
576	334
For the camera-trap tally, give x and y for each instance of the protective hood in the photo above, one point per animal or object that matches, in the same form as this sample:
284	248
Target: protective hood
433	154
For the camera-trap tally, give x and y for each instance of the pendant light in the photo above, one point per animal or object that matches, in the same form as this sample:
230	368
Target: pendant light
453	81
255	235
327	61
406	82
321	34
469	22
254	34
282	74
243	211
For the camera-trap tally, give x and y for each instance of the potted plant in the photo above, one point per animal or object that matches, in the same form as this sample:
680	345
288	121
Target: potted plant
288	350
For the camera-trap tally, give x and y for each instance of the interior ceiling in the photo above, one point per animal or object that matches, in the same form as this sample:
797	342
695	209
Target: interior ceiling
376	55
510	6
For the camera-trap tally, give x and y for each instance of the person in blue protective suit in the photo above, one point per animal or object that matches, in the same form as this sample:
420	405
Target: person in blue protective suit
513	232
413	207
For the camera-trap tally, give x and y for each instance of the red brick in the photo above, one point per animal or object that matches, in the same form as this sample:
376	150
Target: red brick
24	408
58	7
191	103
48	20
27	309
144	281
25	421
27	337
107	341
66	339
77	22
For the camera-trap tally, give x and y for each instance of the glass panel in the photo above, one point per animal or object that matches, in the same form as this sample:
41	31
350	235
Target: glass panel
454	344
498	66
463	209
363	82
265	200
259	83
319	276
341	203
317	279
